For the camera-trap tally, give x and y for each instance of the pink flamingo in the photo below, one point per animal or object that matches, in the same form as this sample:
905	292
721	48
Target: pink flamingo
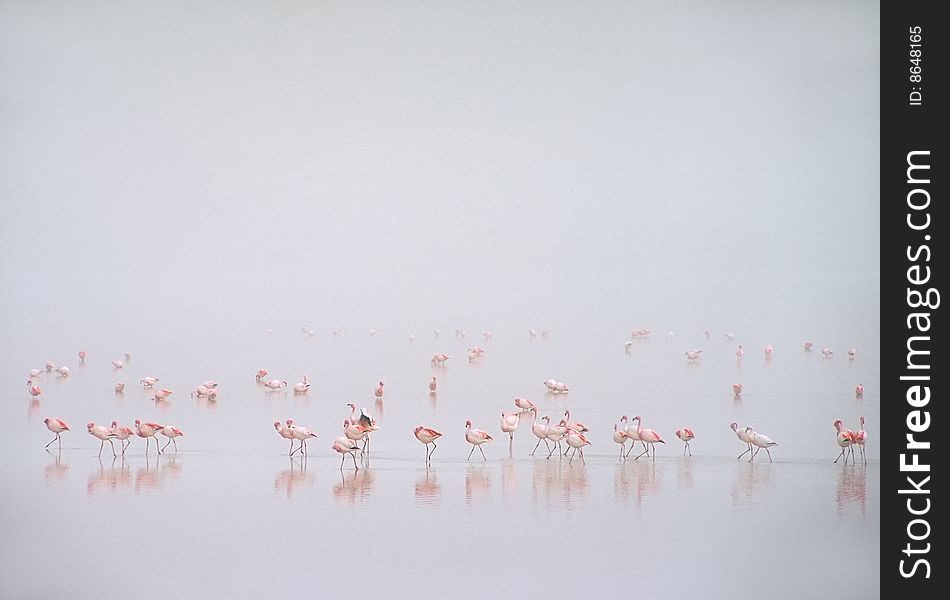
171	432
379	390
576	440
285	433
302	387
525	404
438	360
807	346
620	437
162	394
686	434
647	436
57	426
845	439
852	352
34	389
555	435
118	364
345	446
540	431
275	384
737	389
768	351
476	437
366	423
148	381
103	434
859	390
119	387
761	441
742	435
148	430
693	355
354	432
632	435
433	385
861	438
509	424
827	352
573	424
123	434
50	366
427	436
739	352
261	374
301	434
82	357
63	371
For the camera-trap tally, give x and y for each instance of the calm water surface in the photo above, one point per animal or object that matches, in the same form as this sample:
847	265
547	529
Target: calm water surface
230	515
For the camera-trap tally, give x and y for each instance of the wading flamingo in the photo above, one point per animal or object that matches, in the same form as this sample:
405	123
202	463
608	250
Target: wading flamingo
861	438
845	439
285	433
301	434
647	436
685	434
344	447
427	436
576	440
742	435
34	389
103	434
540	430
509	425
620	437
123	434
555	434
476	437
433	385
171	432
761	441
737	389
146	431
301	387
57	426
275	384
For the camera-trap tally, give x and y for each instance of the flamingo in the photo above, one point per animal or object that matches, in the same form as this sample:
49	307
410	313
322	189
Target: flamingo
627	346
550	384
525	405
576	440
34	389
540	431
162	394
532	334
555	435
119	387
692	355
742	435
301	387
379	390
730	336
344	447
632	434
171	432
647	436
275	384
807	346
63	371
640	333
487	335
737	389
427	436
35	373
768	351
148	382
301	434
49	366
57	426
412	338
353	431
827	352
82	357
123	434
620	437
128	356
845	439
433	386
852	352
861	438
560	388
509	424
472	354
476	437
285	433
203	391
210	384
148	430
438	360
103	434
367	423
118	364
739	351
261	374
859	390
685	434
573	424
762	441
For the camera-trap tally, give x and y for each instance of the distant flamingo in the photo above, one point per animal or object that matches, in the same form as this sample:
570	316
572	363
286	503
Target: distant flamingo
49	366
63	371
647	436
550	384
119	387
576	440
118	364
861	438
540	431
344	447
128	356
34	389
525	404
275	384
476	437
438	360
57	426
627	346
852	352
210	384
35	373
742	435
632	434
427	436
532	333
685	434
620	437
301	387
509	424
692	355
827	352
285	433
739	351
203	391
261	374
103	434
845	439
148	382
433	385
768	351
574	425
761	441
123	434
730	336
737	389
82	357
379	390
162	394
859	390
301	434
561	388
555	434
148	430
639	333
171	432
487	335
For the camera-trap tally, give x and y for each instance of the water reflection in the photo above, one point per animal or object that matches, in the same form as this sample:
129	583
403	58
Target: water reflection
354	486
509	480
852	487
379	411
685	473
751	479
295	477
112	478
55	471
477	483
32	408
157	470
428	489
559	484
648	484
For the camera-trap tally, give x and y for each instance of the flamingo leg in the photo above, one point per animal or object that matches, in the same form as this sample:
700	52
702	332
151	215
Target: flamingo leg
471	452
433	451
582	455
690	449
684	448
342	460
749	449
51	441
769	453
572	459
167	443
175	442
536	447
621	451
113	449
101	444
355	466
839	457
551	451
483	453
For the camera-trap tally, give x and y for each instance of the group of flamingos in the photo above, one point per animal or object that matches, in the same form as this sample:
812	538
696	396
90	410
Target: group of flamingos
358	427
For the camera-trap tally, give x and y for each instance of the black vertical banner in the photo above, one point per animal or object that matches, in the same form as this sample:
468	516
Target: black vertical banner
914	168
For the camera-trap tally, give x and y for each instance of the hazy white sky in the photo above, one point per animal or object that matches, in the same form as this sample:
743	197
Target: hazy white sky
409	163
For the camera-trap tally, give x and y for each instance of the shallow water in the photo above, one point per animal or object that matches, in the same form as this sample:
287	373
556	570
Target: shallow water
230	515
